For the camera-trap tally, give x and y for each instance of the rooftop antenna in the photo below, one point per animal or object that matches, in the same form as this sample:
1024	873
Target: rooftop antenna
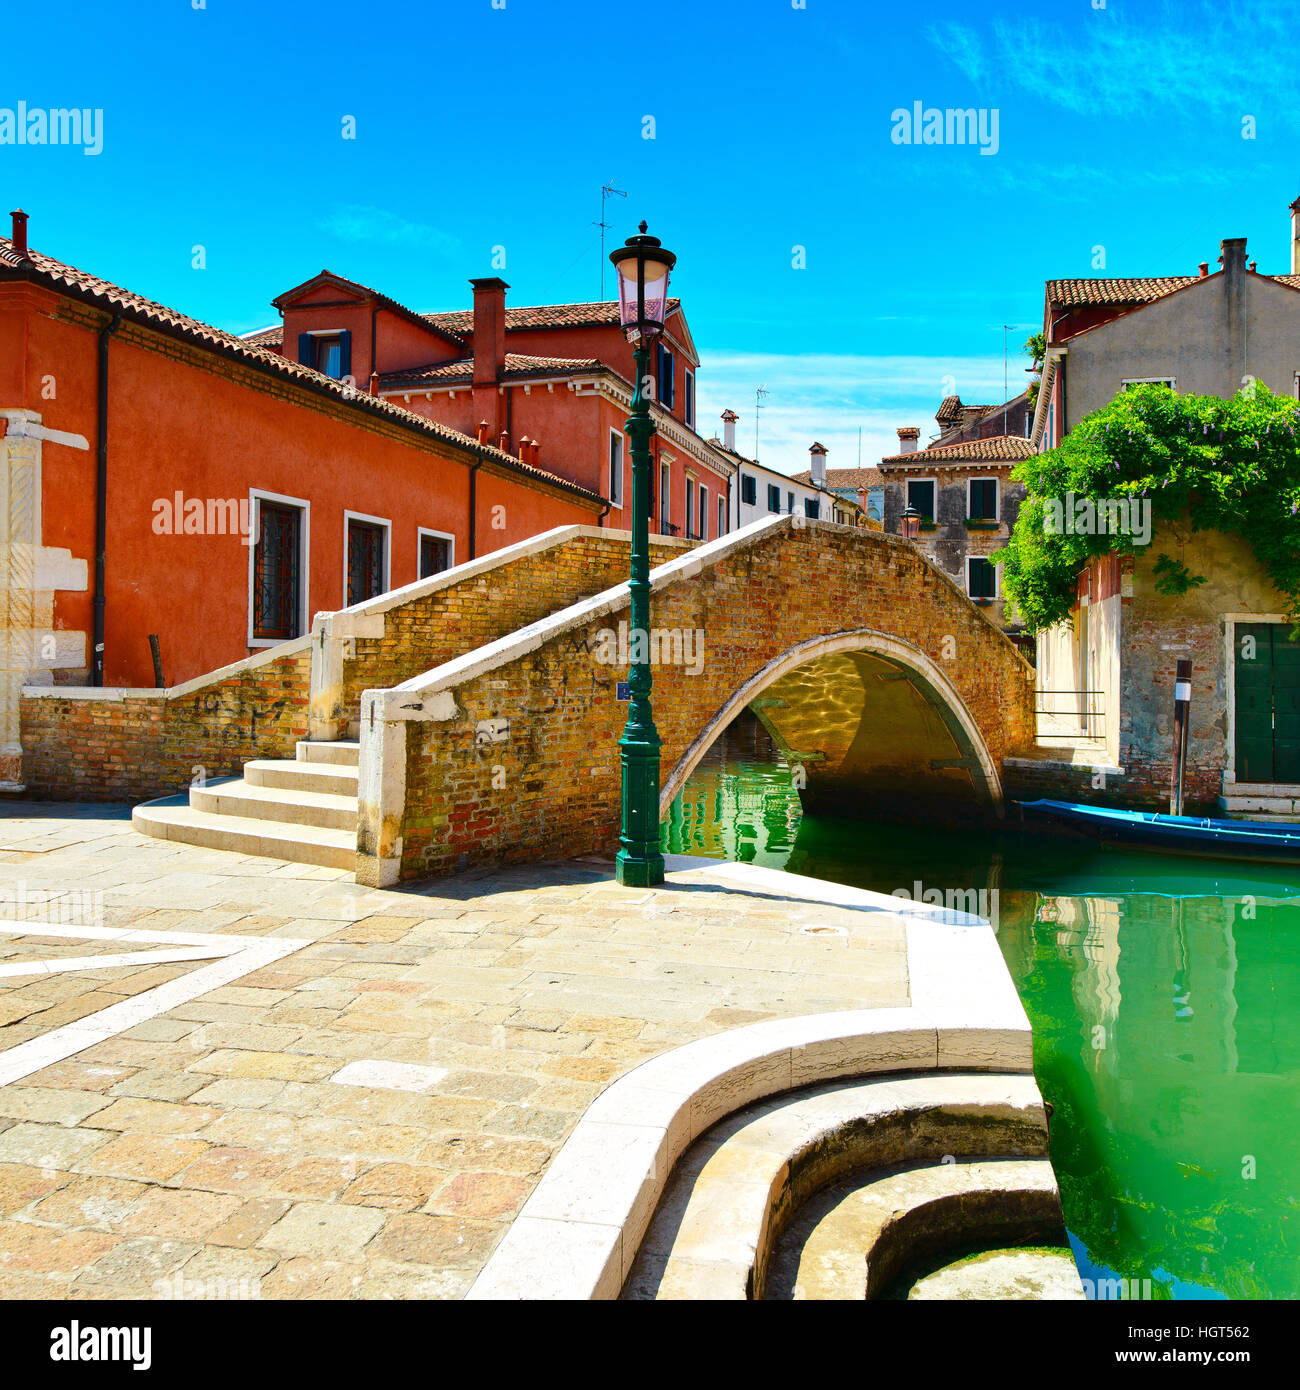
607	190
1005	377
759	397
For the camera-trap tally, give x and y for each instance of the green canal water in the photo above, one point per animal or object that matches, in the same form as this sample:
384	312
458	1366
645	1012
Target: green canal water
1165	999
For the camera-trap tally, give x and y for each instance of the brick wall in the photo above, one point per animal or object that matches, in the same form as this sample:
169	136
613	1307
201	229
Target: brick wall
436	627
551	786
140	745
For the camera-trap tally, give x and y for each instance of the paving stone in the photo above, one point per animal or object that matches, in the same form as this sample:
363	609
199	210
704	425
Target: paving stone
268	1065
488	1196
152	1117
396	1186
436	1241
31	1249
149	1157
21	1184
99	1204
322	1230
136	1265
47	1146
250	1222
312	1278
48	1105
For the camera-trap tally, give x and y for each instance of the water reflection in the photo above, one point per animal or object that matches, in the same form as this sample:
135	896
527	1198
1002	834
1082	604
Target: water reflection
1163	994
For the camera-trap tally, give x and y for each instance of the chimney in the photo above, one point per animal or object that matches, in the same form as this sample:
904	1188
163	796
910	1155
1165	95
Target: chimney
729	418
537	454
503	443
489	349
1203	269
1232	253
482	431
1252	266
907	437
818	456
1295	237
19	233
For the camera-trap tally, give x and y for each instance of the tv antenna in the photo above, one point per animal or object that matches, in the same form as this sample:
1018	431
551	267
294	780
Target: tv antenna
607	191
759	397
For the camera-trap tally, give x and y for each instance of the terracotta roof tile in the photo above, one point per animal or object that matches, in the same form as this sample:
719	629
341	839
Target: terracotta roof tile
846	478
462	369
999	448
65	278
1070	293
599	312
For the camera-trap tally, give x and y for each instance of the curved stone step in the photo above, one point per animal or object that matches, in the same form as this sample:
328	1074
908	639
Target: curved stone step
1005	1274
326	810
344	752
734	1190
291	775
857	1238
173	818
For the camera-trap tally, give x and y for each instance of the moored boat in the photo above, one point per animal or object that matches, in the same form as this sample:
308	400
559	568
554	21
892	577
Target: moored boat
1278	843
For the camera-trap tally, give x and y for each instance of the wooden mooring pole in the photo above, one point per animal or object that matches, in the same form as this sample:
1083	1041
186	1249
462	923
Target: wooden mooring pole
1182	702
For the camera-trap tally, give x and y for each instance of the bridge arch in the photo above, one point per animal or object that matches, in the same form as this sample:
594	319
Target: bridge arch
926	675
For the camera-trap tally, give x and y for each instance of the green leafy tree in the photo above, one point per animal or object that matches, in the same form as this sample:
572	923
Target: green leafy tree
1214	464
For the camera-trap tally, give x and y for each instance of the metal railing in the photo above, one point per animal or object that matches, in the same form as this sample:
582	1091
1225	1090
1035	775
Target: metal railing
1084	717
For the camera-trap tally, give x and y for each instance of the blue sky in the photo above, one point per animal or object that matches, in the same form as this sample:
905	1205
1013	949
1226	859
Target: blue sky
1119	126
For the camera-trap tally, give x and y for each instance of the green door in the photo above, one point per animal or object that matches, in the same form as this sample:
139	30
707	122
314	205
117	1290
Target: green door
1267	711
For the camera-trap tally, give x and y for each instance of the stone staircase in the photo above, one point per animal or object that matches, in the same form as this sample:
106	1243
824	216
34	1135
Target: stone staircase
302	809
1264	801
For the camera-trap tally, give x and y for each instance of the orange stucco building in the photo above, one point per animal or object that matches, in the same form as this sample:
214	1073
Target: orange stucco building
552	383
165	478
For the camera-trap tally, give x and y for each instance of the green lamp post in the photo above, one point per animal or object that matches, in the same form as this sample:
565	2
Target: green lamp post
642	265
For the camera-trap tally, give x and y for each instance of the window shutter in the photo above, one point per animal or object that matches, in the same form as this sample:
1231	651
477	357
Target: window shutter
305	353
345	353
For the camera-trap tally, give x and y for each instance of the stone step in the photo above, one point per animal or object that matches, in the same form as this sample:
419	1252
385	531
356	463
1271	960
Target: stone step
1005	1275
173	818
344	752
291	775
856	1238
237	797
720	1219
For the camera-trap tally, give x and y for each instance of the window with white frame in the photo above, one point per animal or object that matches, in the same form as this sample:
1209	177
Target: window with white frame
749	489
982	499
722	516
773	498
437	552
920	496
688	398
366	557
665	499
277	568
1129	382
615	493
690	507
981	578
704	513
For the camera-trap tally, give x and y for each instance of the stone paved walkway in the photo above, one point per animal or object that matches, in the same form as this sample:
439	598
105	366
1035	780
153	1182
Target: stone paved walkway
364	1116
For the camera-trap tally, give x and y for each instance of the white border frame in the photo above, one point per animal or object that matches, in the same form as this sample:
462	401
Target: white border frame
1230	621
997	498
622	467
256	496
997	586
387	524
420	533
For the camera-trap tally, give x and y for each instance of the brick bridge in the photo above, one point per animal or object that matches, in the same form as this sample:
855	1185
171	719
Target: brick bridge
869	666
485	703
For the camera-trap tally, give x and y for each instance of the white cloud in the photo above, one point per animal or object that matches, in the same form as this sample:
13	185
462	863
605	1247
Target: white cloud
358	222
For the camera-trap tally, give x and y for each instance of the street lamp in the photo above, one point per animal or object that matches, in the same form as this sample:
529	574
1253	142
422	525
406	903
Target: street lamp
911	524
642	265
